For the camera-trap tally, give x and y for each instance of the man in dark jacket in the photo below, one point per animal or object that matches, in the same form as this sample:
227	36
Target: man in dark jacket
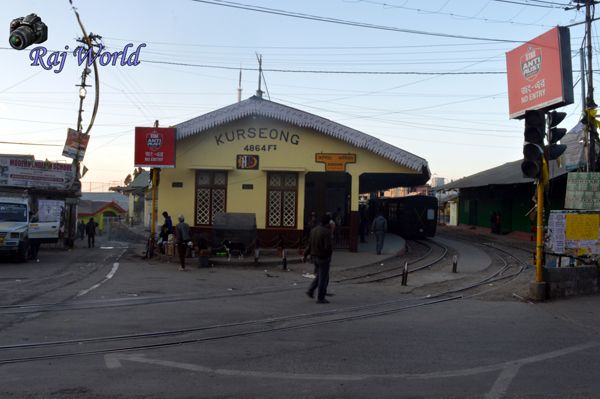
379	227
184	239
320	249
90	230
168	222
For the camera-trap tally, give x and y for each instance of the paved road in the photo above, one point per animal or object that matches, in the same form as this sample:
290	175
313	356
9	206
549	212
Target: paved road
240	341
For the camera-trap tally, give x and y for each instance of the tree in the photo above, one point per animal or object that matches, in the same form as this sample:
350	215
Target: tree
137	172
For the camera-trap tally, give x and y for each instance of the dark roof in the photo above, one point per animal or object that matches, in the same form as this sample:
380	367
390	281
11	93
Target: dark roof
141	181
90	208
509	173
137	186
120	199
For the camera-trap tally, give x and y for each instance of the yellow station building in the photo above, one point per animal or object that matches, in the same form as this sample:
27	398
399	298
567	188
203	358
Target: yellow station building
279	163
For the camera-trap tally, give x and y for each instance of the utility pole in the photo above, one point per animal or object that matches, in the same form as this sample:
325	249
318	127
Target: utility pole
590	104
71	227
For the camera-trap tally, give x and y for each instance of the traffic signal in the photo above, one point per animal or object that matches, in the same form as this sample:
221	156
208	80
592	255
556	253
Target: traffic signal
533	149
553	150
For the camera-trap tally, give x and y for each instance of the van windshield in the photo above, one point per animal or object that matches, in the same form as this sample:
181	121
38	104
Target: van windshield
13	212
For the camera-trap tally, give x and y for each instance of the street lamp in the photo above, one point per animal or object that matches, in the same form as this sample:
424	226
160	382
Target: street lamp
82	93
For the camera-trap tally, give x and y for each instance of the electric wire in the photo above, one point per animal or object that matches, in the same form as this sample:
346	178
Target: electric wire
291	14
454	15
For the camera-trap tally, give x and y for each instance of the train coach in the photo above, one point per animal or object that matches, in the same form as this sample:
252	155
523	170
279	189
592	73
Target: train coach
412	217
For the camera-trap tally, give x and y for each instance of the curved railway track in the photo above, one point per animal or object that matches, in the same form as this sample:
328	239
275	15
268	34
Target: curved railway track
85	346
395	270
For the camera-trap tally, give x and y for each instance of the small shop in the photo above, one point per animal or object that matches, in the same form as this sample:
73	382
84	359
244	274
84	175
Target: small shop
279	164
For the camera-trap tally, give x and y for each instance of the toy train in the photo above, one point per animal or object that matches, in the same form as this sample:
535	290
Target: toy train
412	217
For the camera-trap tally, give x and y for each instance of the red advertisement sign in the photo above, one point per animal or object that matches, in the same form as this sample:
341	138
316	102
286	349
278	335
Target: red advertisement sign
155	147
539	73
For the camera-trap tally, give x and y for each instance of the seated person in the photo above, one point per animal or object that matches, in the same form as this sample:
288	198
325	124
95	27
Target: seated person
163	238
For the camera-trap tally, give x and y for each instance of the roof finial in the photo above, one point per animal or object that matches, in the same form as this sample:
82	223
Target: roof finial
259	92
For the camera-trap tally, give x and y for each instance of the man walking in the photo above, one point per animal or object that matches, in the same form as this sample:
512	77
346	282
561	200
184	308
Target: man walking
90	230
168	222
320	249
183	236
379	227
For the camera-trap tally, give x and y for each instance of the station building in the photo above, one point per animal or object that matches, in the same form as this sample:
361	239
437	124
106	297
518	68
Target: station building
280	164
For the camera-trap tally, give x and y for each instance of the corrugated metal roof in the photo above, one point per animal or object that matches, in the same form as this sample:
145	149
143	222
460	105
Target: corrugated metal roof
256	106
509	173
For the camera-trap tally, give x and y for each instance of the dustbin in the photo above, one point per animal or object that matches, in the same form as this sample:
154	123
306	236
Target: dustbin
203	255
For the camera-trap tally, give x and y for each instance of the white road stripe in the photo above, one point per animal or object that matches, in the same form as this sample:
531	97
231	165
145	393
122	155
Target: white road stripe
509	369
503	382
108	277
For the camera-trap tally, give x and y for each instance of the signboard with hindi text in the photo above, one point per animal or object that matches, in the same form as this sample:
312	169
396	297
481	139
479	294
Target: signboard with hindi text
335	162
154	147
539	73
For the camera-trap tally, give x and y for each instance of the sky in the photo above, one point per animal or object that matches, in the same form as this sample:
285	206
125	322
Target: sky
193	52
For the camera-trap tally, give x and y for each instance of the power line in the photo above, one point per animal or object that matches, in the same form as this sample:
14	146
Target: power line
454	15
187	45
292	14
36	144
528	4
321	71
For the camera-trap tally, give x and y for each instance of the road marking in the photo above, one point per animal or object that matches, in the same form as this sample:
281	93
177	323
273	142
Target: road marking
509	369
108	277
503	382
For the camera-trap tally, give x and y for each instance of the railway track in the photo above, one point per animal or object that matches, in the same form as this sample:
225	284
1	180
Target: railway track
395	268
511	266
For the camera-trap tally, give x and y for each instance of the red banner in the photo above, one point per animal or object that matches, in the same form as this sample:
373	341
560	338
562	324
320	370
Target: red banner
155	147
539	73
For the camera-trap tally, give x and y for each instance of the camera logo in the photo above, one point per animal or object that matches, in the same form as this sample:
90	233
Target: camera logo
27	30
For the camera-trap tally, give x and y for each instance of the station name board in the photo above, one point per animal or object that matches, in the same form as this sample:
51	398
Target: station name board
261	133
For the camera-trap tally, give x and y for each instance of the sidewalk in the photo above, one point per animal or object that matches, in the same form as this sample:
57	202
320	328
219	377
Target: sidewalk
366	255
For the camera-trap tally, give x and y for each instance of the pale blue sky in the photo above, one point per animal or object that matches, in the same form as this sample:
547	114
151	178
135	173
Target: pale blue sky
459	123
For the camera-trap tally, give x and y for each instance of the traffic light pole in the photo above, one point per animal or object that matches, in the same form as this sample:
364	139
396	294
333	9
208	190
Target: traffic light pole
539	239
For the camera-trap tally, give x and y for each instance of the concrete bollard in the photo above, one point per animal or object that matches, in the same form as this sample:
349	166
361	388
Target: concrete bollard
284	259
454	263
256	256
405	274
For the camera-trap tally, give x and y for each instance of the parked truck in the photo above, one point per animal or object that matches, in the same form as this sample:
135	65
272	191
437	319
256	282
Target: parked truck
27	221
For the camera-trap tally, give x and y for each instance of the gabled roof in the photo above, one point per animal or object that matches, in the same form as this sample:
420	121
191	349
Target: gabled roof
119	198
91	208
256	106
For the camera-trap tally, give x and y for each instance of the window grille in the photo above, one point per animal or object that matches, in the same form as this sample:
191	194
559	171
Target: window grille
282	199
211	195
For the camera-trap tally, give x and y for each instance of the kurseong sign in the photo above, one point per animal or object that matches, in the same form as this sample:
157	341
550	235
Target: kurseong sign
539	73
